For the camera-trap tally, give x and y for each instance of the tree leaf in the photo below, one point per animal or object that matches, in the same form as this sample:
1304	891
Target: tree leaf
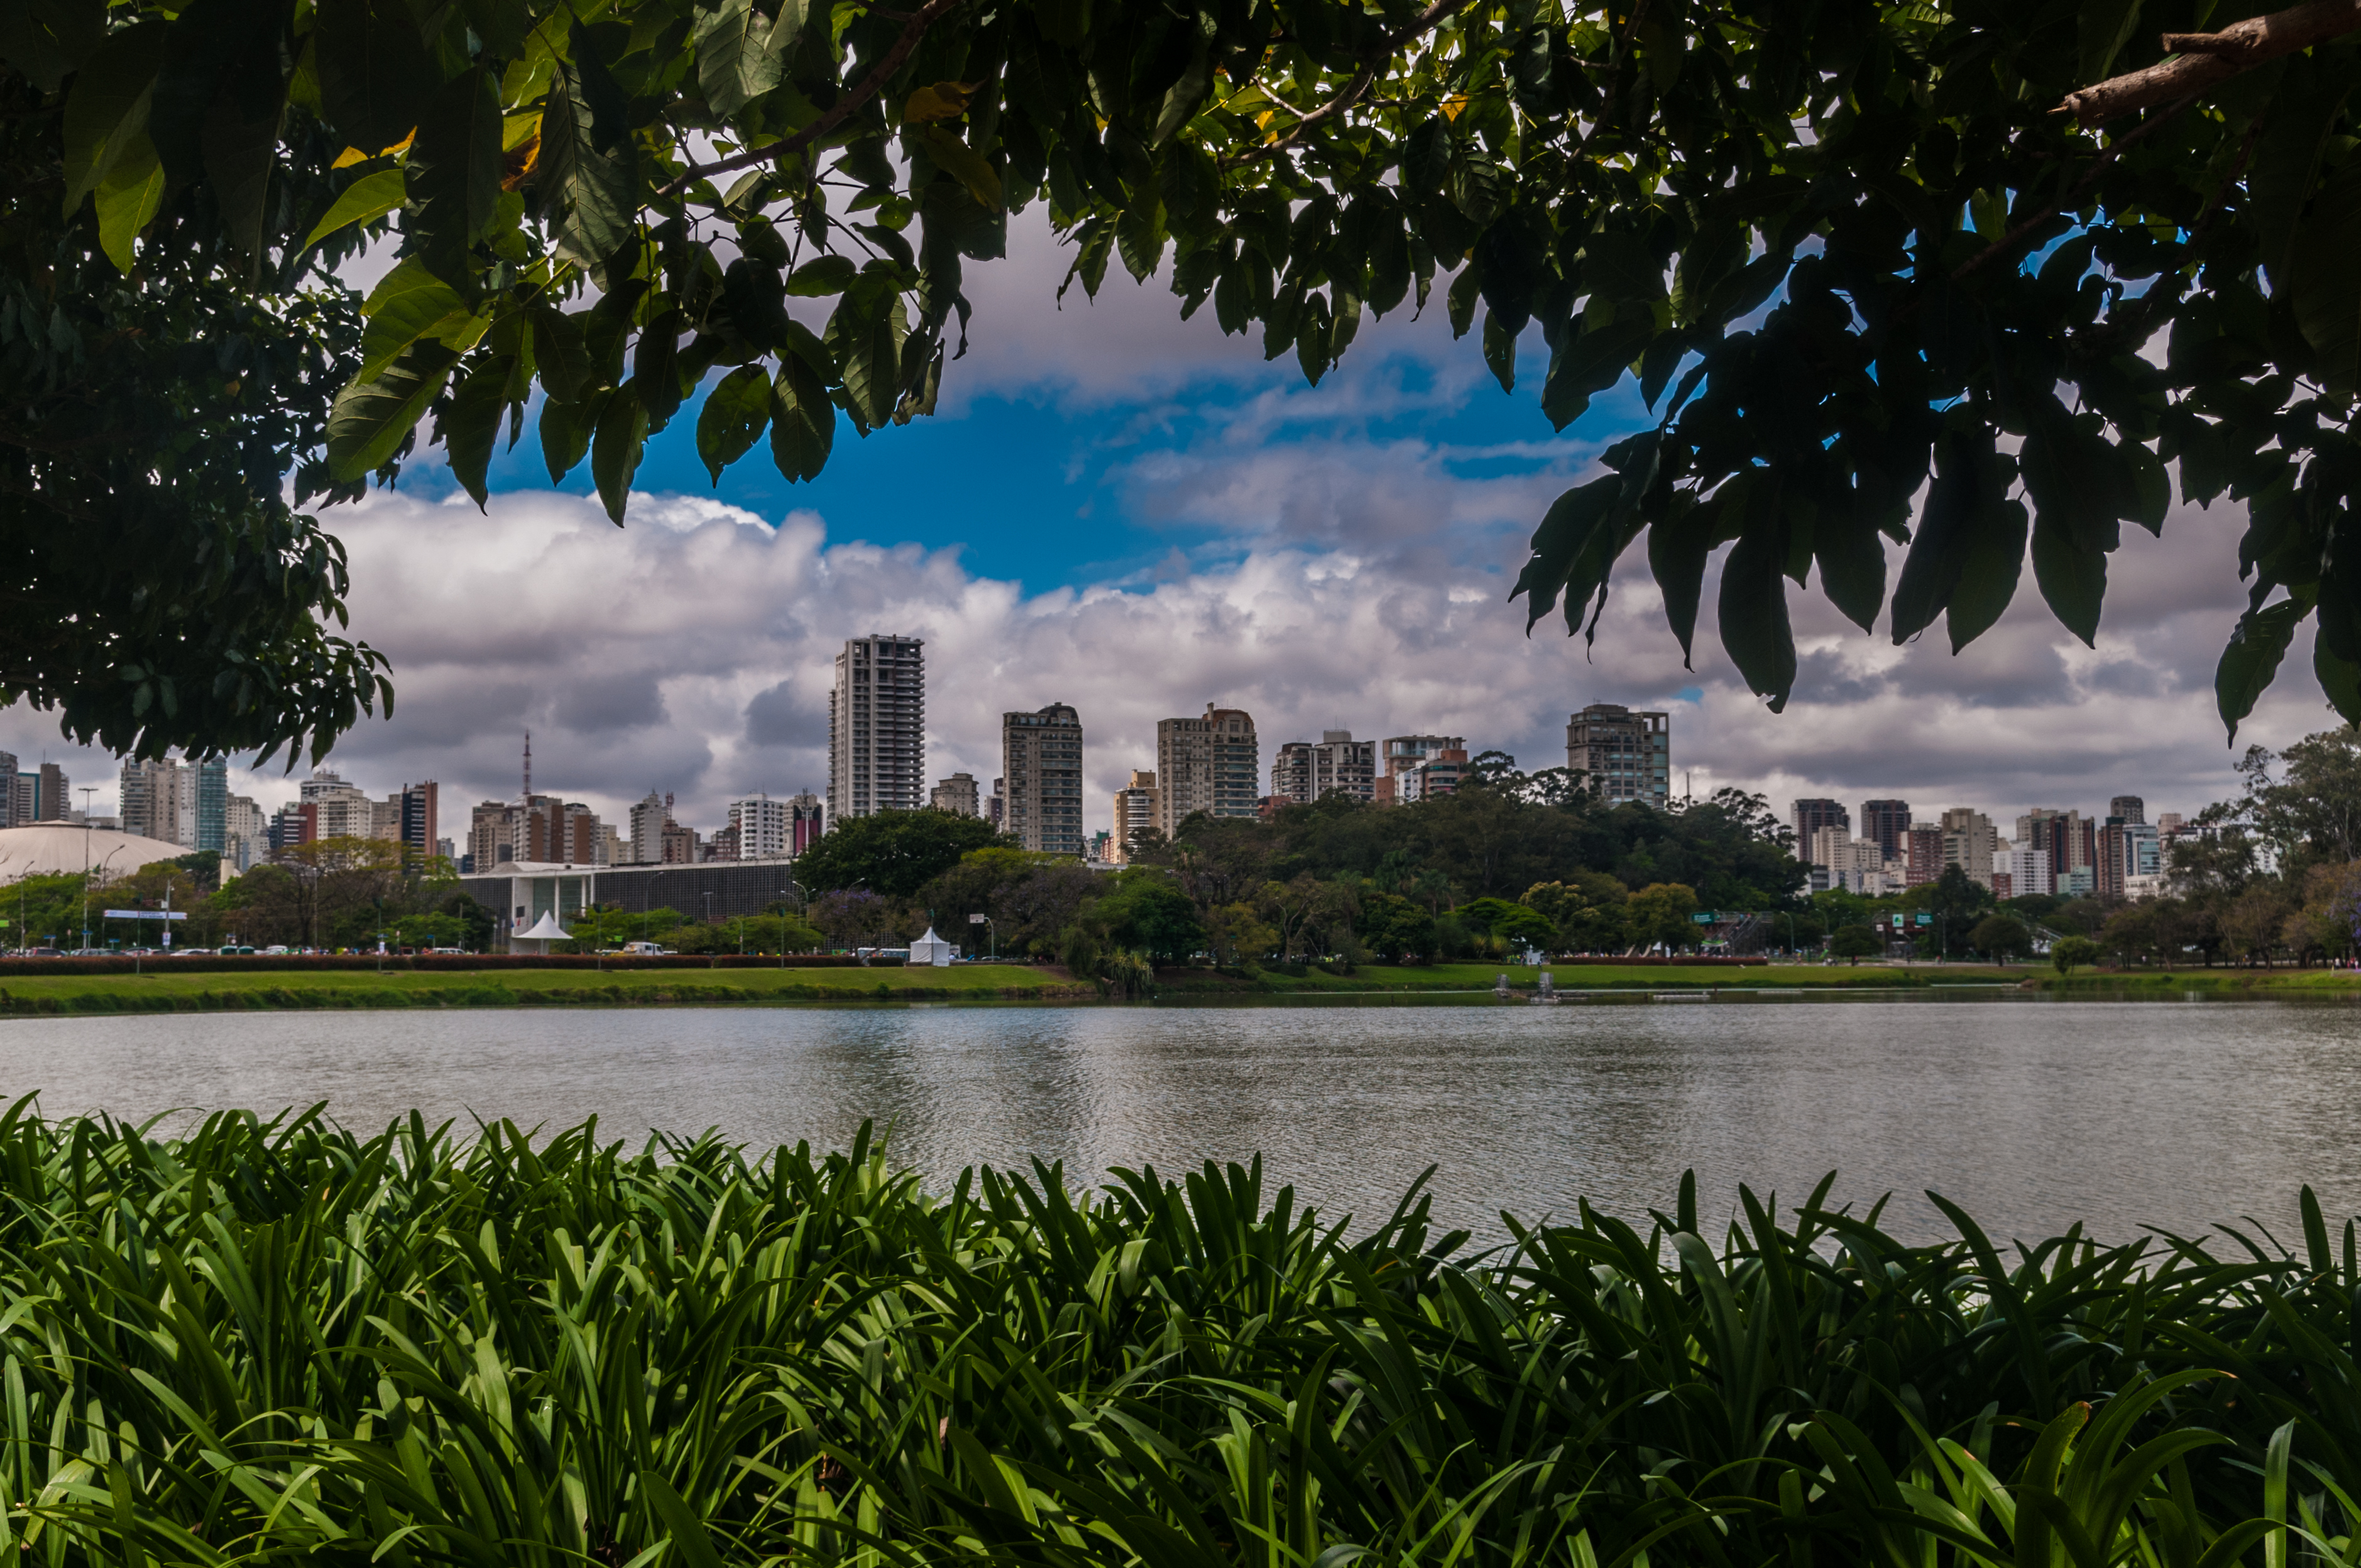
1989	571
1755	627
49	40
469	424
962	162
623	436
454	169
2072	575
1678	548
374	415
733	417
1945	536
2339	677
866	333
566	430
2257	645
370	197
375	76
240	152
735	59
408	303
108	106
803	421
1850	550
941	100
128	198
2325	288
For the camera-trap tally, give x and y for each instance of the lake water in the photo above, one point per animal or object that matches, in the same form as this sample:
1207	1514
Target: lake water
2031	1115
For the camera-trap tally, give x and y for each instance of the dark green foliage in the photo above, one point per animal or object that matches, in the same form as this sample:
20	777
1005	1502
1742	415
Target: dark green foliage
156	589
403	1350
1859	941
893	853
1845	247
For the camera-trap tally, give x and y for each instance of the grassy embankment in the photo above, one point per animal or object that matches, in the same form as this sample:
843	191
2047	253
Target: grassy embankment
287	1344
165	992
2225	981
267	989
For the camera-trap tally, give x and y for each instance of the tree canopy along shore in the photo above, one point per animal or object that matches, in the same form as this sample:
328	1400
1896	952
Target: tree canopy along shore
1981	283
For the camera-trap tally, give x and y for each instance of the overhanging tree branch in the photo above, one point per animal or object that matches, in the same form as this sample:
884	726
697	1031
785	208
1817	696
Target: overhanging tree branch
2203	61
1425	22
914	31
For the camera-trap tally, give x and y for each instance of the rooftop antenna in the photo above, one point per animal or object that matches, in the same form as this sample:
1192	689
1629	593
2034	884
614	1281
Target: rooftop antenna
528	767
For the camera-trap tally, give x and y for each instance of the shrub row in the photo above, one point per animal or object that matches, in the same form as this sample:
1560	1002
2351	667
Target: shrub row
274	998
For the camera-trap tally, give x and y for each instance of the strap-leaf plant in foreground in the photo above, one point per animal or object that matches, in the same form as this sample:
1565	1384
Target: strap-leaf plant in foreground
269	1341
1978	282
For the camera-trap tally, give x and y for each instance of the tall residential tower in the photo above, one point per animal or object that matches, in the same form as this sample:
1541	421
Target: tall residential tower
877	727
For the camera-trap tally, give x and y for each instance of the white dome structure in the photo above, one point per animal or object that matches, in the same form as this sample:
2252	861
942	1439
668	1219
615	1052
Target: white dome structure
49	848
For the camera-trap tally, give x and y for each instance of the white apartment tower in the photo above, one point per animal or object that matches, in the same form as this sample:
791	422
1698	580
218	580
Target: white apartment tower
877	727
766	828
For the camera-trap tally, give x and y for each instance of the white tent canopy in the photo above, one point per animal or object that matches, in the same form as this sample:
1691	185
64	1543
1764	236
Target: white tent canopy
931	949
546	929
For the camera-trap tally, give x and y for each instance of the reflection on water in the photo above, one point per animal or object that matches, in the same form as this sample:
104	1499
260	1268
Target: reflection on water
2032	1116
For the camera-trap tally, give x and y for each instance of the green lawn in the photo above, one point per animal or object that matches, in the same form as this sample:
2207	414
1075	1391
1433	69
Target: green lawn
2225	979
1581	977
168	992
497	988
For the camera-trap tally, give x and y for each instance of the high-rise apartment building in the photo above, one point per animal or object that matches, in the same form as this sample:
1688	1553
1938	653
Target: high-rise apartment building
9	790
680	847
1969	842
1041	758
1811	816
2127	849
1302	771
765	829
1884	822
877	727
144	802
1922	853
1210	764
244	833
2131	809
1134	813
420	817
957	794
209	823
2028	871
294	824
647	819
1398	754
995	810
1438	774
1621	755
40	795
807	820
345	810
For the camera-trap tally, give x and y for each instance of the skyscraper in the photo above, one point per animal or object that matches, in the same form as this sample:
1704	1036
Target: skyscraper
1210	764
877	727
1811	816
2131	809
1888	823
1041	755
421	817
1969	842
765	829
210	824
957	794
1621	755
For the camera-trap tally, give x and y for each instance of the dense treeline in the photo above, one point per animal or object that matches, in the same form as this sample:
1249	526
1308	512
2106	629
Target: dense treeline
1511	859
277	1342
